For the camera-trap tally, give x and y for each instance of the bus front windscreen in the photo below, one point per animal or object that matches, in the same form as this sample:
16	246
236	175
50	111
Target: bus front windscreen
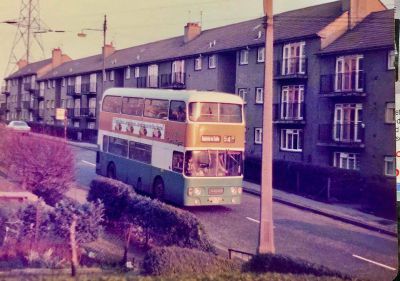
215	112
213	163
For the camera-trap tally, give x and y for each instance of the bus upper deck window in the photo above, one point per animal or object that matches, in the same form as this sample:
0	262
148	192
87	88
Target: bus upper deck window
177	111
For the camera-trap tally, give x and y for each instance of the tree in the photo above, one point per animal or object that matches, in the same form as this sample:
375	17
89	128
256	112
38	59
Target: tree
77	224
41	165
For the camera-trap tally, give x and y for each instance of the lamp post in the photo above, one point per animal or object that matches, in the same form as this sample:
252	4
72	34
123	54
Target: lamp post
266	235
104	30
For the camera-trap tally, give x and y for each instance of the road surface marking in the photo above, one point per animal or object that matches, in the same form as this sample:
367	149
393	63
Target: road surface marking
374	262
253	220
89	163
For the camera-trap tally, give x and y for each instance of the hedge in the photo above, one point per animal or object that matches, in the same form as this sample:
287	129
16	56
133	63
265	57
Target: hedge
347	186
264	263
166	224
180	261
209	277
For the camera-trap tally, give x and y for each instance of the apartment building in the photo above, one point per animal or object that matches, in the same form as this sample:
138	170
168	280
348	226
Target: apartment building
333	81
23	95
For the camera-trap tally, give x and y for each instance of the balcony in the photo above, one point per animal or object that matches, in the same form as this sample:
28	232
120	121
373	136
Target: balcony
351	84
175	80
26	104
5	91
89	113
349	135
291	68
88	89
28	86
74	112
289	113
71	91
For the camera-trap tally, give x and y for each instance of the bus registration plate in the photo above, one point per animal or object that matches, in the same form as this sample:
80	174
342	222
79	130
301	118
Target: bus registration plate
216	191
215	200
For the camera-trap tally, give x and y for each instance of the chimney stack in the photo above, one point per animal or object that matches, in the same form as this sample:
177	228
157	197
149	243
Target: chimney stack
56	57
22	63
108	50
192	30
360	9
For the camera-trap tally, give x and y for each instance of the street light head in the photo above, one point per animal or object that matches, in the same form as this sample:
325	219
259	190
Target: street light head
81	34
10	22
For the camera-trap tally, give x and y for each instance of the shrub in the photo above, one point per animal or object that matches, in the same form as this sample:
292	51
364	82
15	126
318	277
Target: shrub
42	166
181	261
115	196
169	225
263	263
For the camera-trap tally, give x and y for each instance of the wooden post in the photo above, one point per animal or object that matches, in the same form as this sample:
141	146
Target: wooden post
266	235
73	245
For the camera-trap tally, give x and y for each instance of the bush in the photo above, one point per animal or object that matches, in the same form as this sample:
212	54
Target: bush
168	225
180	261
115	196
264	263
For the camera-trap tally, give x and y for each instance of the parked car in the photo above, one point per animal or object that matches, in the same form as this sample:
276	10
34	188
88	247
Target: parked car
19	126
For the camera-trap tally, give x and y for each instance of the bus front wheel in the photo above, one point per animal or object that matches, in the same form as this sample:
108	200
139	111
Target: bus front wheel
158	188
111	173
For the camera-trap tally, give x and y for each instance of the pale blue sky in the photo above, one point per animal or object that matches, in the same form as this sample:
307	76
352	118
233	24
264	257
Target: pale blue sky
130	22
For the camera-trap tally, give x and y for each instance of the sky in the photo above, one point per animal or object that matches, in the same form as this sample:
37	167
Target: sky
130	22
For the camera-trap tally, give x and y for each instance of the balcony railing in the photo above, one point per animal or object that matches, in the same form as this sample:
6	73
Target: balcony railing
71	91
5	90
342	134
343	84
28	86
89	112
291	68
176	80
26	104
289	112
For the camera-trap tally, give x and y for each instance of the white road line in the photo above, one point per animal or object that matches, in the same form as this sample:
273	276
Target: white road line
253	220
89	163
374	262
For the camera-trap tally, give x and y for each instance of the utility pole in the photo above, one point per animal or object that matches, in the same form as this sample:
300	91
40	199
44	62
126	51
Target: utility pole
266	235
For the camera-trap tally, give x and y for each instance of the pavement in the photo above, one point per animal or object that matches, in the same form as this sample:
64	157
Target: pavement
345	214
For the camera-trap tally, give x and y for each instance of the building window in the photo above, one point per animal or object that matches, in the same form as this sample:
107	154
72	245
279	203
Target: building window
243	94
349	73
48	84
294	59
261	54
391	59
291	140
390	113
348	126
93	82
112	75
198	63
212	61
259	95
178	72
390	167
152	76
244	57
91	125
127	73
63	82
137	72
292	102
54	83
258	135
344	160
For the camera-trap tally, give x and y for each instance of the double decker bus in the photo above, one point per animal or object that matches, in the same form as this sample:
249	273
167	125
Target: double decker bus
184	147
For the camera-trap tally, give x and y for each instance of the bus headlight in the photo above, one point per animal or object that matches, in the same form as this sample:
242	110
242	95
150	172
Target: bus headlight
233	190
194	191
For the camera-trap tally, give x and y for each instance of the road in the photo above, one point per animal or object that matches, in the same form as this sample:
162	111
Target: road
298	233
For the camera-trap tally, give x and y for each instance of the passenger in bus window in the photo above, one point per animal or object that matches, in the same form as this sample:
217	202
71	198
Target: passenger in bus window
181	115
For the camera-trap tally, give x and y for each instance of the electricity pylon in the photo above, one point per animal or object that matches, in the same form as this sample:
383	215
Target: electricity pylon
25	39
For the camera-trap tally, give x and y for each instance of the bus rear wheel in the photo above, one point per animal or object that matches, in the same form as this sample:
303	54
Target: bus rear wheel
158	189
111	173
